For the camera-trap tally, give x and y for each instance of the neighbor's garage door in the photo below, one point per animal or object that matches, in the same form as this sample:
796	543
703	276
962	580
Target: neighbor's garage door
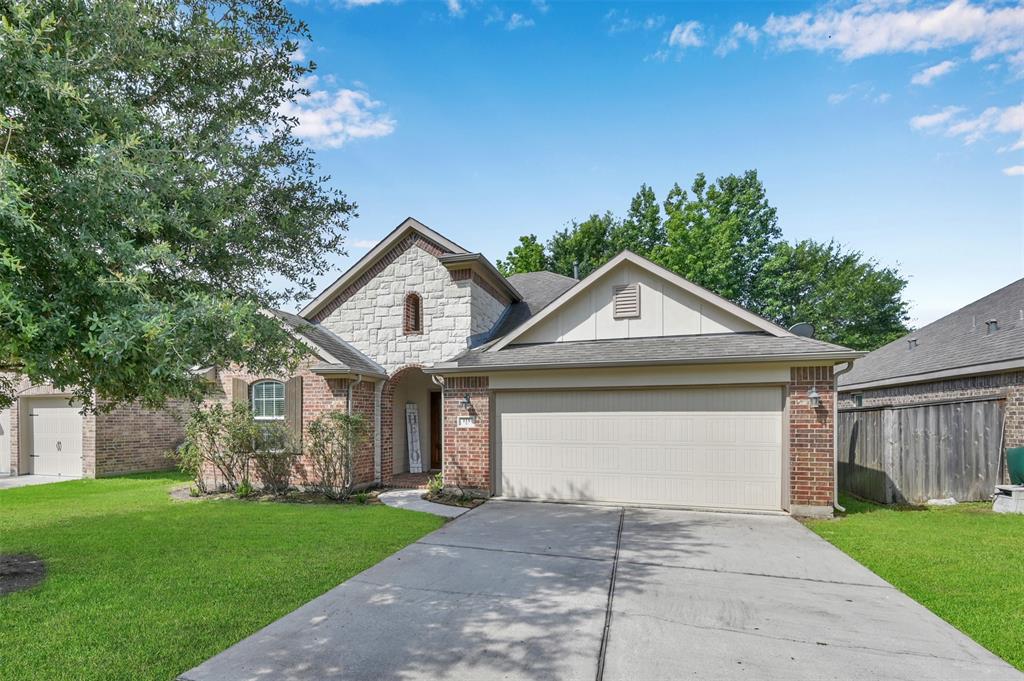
55	437
703	447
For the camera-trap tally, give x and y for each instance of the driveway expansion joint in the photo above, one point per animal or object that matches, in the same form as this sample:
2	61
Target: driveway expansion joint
643	563
515	551
606	632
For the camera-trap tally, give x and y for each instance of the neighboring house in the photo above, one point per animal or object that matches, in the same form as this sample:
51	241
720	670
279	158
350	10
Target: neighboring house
930	415
631	386
43	433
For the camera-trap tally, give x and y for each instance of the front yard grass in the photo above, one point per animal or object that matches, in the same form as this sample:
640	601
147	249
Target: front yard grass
143	587
961	562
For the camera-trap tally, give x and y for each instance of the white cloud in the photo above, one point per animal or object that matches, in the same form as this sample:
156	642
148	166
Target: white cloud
364	243
1007	121
659	55
622	22
455	8
926	76
1013	170
740	31
838	97
863	91
930	121
882	98
542	6
688	34
871	28
517	21
333	118
363	3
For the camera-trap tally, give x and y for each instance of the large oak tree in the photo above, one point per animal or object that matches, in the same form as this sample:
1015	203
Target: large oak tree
152	194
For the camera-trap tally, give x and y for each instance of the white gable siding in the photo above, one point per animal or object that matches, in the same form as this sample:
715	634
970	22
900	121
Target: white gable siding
665	310
371	319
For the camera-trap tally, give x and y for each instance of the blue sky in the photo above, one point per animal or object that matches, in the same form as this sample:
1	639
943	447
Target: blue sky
896	128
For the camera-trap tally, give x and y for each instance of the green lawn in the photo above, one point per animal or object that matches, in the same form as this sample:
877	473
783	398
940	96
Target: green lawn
143	587
962	562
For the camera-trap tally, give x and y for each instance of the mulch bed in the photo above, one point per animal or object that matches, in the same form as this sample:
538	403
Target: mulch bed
20	571
454	500
295	496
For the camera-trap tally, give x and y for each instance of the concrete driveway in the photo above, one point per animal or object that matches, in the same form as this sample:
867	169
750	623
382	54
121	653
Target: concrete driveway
12	481
544	591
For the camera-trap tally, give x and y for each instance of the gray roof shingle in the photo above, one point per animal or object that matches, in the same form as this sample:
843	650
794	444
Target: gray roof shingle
350	359
700	349
957	341
538	289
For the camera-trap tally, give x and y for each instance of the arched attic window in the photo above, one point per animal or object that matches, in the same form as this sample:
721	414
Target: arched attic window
413	316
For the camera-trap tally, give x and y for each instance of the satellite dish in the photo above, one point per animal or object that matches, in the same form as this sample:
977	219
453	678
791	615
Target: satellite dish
803	329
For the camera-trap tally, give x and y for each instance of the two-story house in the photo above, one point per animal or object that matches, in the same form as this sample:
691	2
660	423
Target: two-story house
633	385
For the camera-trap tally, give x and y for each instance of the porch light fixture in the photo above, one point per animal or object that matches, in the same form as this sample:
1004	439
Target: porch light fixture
814	398
466	404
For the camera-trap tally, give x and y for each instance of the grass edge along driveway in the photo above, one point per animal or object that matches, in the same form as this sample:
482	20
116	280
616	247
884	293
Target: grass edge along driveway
961	562
143	587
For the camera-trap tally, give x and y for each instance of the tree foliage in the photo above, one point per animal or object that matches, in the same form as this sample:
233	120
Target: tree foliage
151	192
725	236
528	256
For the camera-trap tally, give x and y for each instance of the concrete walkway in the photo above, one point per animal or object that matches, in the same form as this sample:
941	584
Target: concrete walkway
12	481
546	591
412	500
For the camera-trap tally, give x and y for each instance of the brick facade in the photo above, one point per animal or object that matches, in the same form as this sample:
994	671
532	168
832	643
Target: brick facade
319	395
115	441
811	440
467	450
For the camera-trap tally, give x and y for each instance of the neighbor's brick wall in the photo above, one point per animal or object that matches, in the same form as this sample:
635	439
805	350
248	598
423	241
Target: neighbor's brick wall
811	454
133	439
319	395
467	451
969	386
1014	433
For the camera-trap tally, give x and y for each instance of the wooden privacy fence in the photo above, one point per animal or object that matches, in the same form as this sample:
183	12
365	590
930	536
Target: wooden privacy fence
909	454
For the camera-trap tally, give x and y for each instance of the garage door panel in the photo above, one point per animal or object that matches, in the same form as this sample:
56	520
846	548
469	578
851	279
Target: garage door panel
644	447
55	437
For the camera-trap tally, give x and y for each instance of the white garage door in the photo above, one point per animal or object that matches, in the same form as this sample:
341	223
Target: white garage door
702	447
55	437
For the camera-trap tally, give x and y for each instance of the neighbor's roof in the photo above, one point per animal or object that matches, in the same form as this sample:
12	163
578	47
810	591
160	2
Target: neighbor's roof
696	349
959	344
338	356
537	289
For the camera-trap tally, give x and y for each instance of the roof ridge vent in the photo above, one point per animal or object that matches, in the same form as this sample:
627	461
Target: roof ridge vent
911	343
993	325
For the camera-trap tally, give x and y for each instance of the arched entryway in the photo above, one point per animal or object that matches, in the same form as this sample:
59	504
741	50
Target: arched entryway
410	388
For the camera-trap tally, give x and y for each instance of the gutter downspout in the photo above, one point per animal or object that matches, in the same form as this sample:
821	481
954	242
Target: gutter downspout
348	410
835	435
438	380
378	390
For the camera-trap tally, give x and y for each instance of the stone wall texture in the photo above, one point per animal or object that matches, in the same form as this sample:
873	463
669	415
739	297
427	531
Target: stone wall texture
811	443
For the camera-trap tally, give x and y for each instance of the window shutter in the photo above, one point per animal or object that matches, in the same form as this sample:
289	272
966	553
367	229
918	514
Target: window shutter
626	301
293	407
239	391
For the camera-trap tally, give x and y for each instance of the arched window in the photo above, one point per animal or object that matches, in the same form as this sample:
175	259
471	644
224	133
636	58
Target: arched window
267	399
413	318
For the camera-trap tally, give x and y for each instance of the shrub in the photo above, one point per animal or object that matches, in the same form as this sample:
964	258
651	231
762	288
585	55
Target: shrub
224	439
331	441
435	484
244	489
361	497
273	457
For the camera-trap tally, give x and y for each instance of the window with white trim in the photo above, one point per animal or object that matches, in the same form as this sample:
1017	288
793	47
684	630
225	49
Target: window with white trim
267	400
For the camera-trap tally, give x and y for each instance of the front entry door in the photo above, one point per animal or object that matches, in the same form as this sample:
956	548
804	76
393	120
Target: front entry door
435	431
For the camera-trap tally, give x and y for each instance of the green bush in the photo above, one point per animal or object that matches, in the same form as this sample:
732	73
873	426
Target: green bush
244	489
331	442
273	457
435	484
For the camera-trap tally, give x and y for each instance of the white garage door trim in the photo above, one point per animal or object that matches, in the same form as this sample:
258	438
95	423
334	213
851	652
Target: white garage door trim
707	447
5	441
54	430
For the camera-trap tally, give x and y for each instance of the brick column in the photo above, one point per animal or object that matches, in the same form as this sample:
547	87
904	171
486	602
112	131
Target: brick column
811	443
1014	416
467	449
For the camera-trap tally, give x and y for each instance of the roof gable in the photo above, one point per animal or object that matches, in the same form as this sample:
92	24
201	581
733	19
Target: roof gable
715	314
410	232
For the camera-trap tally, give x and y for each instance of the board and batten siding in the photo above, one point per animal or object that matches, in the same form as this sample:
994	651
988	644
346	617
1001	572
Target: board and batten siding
664	310
909	454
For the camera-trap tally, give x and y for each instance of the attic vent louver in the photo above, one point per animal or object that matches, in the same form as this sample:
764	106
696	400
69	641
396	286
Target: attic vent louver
992	325
626	301
911	343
